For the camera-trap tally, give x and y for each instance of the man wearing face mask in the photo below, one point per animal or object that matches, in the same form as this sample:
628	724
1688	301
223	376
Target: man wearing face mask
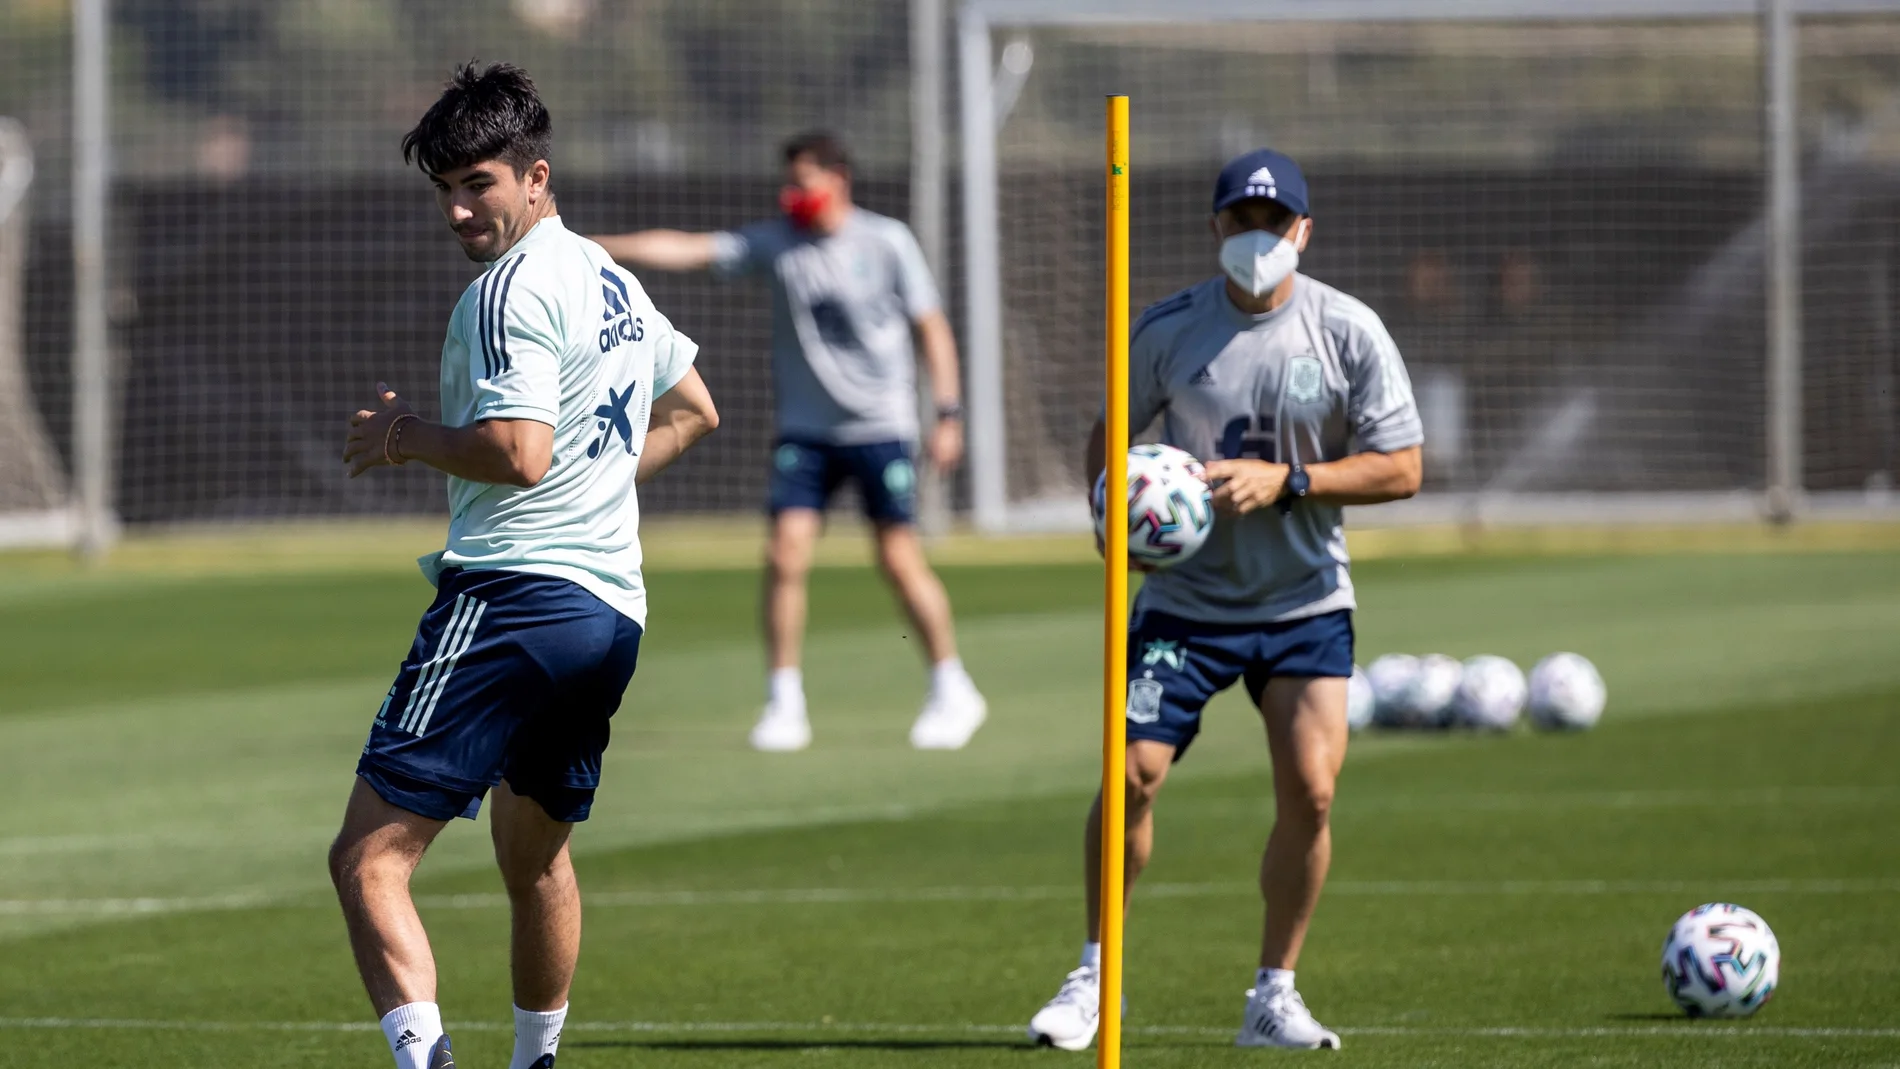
1295	396
849	290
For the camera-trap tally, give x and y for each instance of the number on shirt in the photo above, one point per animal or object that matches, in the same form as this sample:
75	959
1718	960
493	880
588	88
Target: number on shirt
834	324
1250	436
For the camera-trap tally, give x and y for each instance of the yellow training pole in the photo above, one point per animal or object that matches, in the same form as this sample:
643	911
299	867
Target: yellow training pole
1108	1042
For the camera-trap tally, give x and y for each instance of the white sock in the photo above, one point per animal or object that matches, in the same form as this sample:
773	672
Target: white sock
948	676
1092	955
412	1030
1271	979
785	687
536	1034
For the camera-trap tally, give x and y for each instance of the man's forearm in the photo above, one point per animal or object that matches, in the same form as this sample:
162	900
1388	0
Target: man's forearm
660	250
1365	478
476	452
666	443
940	362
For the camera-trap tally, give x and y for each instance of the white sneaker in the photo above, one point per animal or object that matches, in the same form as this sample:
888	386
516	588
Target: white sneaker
948	719
1278	1017
782	728
1069	1020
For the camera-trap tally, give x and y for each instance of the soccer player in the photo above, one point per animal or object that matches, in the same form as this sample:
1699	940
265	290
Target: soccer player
1295	396
562	388
848	289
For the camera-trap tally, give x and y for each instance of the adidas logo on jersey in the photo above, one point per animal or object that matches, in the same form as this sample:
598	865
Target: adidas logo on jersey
623	325
1203	377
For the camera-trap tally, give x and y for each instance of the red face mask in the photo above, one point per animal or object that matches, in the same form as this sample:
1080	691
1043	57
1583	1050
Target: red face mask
803	206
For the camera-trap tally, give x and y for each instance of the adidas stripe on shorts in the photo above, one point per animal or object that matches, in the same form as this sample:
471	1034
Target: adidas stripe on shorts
512	676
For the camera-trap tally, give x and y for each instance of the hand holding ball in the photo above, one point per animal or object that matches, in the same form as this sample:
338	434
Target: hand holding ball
1170	508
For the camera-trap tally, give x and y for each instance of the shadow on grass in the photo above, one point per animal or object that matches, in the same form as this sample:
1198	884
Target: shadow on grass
1663	1015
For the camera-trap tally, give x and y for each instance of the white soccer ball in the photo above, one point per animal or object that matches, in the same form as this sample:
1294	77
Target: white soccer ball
1721	960
1360	700
1490	695
1428	703
1390	676
1170	508
1566	693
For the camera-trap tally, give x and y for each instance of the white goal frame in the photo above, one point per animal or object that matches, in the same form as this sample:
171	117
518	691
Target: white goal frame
981	85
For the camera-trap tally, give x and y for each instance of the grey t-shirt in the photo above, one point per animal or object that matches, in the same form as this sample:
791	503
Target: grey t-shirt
842	309
1316	379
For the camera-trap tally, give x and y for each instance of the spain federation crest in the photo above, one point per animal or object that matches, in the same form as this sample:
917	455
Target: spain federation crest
1304	380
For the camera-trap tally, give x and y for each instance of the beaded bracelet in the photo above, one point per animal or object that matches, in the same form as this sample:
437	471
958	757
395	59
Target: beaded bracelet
394	436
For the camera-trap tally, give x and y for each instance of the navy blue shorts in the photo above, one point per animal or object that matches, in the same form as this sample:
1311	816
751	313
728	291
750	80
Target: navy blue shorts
1176	665
512	676
805	474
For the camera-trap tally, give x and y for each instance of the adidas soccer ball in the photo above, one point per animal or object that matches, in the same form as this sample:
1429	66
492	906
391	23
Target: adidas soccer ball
1417	691
1721	960
1490	695
1170	508
1566	693
1390	676
1360	700
1428	703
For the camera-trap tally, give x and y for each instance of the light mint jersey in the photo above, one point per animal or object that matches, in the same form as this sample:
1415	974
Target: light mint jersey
1316	379
557	333
843	364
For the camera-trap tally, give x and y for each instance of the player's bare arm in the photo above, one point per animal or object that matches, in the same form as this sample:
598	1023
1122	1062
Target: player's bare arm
939	346
1368	478
661	250
504	452
681	416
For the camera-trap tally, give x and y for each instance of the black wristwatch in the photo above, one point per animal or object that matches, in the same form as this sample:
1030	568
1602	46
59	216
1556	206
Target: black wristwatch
1297	484
949	410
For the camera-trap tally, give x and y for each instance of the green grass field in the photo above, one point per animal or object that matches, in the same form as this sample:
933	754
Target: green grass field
176	748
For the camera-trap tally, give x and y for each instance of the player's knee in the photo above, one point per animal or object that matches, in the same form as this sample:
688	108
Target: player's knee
787	558
528	877
900	558
1144	786
1309	802
348	862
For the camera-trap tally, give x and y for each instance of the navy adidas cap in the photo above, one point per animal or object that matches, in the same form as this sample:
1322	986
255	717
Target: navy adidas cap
1262	173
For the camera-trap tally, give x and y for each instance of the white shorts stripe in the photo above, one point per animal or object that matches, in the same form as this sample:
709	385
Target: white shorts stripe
442	679
426	674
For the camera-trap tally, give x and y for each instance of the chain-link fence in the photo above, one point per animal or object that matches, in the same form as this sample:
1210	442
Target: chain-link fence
1561	220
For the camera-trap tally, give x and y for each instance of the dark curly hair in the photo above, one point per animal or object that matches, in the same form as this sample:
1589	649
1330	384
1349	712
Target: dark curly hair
494	114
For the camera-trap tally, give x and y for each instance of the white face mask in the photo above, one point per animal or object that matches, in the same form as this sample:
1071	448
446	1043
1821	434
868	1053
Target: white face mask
1258	261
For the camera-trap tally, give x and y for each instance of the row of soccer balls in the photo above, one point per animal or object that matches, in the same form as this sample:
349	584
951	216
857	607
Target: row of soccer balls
1564	692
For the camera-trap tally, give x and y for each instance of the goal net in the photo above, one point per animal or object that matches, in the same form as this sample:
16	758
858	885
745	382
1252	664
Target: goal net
1560	221
33	486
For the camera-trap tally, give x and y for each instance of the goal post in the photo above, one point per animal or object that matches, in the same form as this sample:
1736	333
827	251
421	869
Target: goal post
1573	217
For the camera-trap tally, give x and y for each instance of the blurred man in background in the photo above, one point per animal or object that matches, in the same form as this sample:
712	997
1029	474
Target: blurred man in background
562	388
1297	397
849	288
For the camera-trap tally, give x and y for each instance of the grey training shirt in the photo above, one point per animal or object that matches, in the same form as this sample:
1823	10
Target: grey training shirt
1317	378
842	309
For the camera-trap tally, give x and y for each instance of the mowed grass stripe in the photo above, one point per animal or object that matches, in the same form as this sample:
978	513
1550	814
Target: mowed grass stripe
819	896
1692	1030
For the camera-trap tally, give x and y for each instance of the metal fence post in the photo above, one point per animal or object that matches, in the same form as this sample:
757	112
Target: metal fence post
927	214
92	368
1779	50
982	268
